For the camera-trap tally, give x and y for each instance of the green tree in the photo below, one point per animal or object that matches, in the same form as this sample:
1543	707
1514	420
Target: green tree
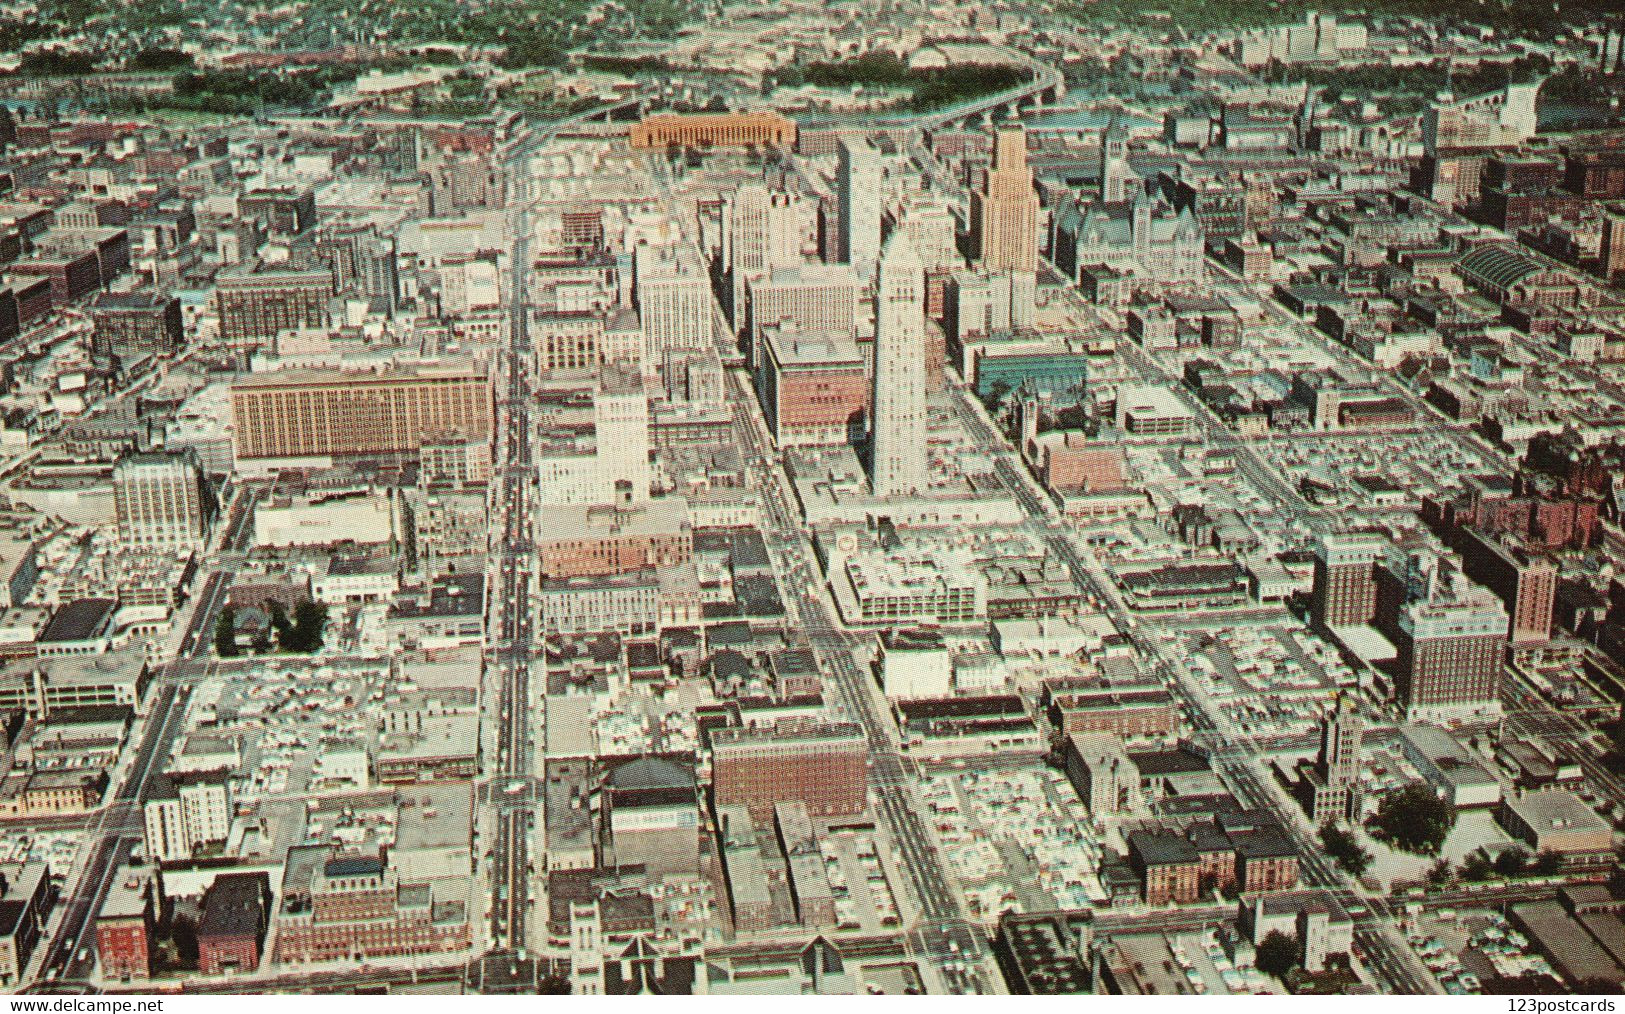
184	935
304	636
1547	864
225	633
158	58
1477	867
1073	417
56	63
1277	955
996	393
1413	819
280	625
1345	849
1513	862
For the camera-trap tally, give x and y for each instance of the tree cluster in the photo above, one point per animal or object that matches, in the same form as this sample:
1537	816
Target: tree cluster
1510	864
301	635
1277	955
931	88
1413	819
1345	849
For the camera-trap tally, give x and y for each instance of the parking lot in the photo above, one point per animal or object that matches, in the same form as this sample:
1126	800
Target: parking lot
1271	680
1463	947
1410	466
280	719
1015	838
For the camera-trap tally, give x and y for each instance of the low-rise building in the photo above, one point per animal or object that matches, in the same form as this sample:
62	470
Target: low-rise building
1169	866
1555	820
1453	773
26	897
584	541
127	926
231	932
429	748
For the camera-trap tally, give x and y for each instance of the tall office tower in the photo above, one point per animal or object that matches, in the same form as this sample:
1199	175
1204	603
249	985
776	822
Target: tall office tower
1345	581
764	232
897	434
1115	173
1611	51
621	430
1613	245
1337	768
1004	217
929	226
857	182
1325	26
673	302
1518	118
1613	47
1004	222
257	304
160	501
1525	581
817	299
304	413
1452	643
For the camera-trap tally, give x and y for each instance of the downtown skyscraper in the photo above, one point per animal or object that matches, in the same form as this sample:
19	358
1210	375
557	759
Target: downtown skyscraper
858	176
1004	222
762	234
897	438
1004	216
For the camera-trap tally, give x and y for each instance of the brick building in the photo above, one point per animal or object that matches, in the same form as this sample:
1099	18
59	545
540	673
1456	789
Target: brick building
332	412
1169	866
821	766
257	303
600	541
1070	461
1546	512
354	907
812	390
1525	582
236	914
1248	852
714	129
126	928
70	277
135	324
1131	714
1345	579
